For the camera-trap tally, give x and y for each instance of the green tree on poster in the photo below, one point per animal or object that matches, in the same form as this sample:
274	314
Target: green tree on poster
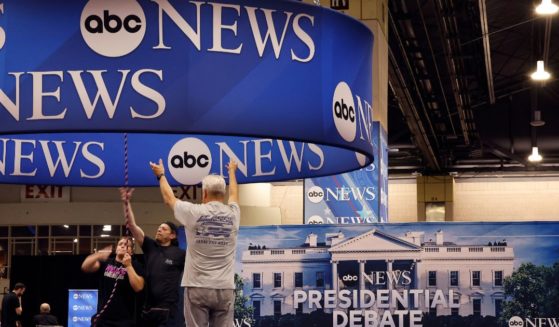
532	292
553	284
242	310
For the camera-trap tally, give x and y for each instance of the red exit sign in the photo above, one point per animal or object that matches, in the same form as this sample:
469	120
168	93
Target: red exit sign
45	193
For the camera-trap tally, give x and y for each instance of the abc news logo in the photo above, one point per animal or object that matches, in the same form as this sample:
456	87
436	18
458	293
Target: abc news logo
350	278
315	220
82	307
343	112
516	321
189	161
113	28
346	116
112	23
82	296
315	194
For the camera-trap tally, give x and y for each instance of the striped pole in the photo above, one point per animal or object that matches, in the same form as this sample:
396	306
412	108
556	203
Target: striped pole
127	233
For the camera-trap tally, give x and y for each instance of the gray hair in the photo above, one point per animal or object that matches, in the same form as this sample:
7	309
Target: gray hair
45	308
214	184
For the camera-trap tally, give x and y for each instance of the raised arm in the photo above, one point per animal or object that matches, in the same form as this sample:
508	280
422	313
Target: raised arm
91	263
136	281
130	220
233	187
166	190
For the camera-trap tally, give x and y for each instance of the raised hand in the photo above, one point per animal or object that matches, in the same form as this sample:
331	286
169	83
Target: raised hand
126	193
104	253
157	168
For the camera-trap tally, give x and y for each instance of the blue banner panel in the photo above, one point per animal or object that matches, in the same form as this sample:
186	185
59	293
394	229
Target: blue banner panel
82	305
278	70
98	159
413	274
350	198
381	157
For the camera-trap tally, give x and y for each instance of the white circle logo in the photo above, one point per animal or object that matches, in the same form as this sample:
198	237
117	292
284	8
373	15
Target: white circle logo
74	319
113	28
315	194
75	296
189	161
314	220
516	321
343	112
75	307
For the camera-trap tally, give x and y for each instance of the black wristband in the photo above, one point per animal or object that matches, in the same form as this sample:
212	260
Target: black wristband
160	175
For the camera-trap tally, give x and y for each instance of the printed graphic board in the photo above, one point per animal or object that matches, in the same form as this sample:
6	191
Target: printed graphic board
82	305
91	91
357	197
416	274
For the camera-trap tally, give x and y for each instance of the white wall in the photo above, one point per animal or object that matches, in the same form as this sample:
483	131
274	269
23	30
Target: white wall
260	205
289	199
506	198
484	199
257	194
475	199
402	200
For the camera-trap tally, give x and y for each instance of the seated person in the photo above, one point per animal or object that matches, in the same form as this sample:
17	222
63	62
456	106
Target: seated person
44	317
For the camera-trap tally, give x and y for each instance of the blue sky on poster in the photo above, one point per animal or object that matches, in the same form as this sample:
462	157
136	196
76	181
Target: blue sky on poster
536	242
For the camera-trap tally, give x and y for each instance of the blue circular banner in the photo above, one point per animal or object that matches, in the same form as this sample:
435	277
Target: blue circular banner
283	87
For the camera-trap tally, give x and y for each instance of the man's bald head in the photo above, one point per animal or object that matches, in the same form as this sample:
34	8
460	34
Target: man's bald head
45	308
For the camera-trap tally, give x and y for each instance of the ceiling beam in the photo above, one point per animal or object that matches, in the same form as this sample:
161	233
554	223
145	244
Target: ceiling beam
436	67
486	51
397	84
449	31
504	153
401	90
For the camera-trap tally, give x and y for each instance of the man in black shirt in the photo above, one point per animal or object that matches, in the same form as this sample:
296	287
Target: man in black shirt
44	318
11	306
164	267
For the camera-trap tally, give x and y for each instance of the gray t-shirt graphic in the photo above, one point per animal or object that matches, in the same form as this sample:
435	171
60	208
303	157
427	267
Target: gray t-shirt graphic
211	234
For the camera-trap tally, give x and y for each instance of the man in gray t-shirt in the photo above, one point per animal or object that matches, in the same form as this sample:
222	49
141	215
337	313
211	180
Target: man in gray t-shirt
211	232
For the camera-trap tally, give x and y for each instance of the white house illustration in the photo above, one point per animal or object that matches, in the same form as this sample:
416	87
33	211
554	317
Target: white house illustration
377	260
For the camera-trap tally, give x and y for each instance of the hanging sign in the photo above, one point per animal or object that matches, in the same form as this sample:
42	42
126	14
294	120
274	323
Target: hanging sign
82	305
283	87
357	197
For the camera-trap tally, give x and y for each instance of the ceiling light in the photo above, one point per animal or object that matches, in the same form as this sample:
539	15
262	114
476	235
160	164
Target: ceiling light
66	226
547	8
537	121
107	228
535	156
105	235
540	74
75	240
